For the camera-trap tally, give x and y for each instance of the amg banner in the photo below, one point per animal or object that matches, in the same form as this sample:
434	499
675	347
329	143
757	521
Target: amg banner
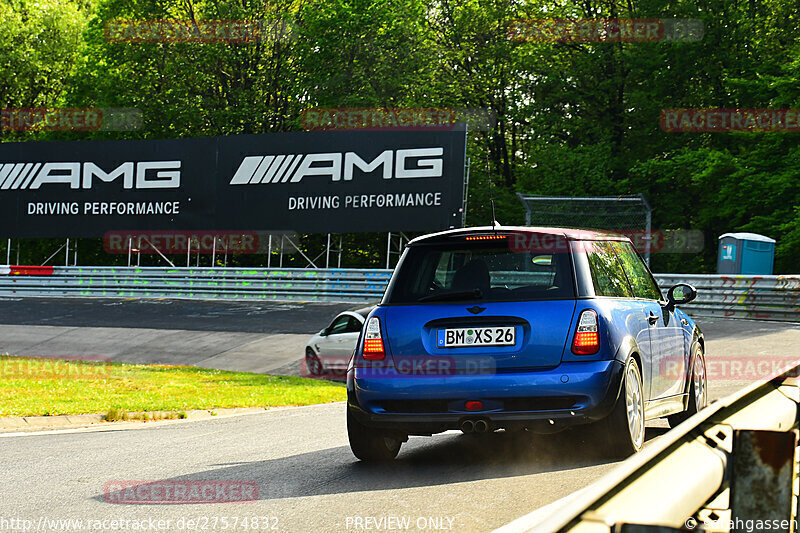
308	182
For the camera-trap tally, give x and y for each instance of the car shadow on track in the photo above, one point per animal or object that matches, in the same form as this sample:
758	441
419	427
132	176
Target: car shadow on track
423	461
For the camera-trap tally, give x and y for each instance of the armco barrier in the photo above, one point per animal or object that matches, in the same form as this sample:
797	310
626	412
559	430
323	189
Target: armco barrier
731	467
345	285
738	296
755	297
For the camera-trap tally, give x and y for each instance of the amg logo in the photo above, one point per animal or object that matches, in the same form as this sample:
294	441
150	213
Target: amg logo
337	166
138	175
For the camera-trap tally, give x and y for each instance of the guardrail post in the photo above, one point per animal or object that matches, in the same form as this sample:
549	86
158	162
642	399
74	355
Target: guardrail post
763	478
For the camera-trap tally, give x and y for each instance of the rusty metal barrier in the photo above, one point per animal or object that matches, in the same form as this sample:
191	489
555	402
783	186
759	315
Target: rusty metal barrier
731	467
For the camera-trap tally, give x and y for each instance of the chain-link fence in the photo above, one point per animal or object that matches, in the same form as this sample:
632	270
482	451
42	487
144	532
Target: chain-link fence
630	215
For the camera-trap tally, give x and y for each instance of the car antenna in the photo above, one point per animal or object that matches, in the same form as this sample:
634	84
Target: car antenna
491	196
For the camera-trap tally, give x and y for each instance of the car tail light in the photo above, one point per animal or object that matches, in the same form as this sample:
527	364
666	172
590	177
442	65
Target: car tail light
373	342
587	334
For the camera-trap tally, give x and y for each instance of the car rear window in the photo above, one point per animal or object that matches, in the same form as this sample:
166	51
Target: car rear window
483	270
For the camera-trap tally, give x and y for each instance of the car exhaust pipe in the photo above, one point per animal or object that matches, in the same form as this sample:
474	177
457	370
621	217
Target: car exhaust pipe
481	426
467	426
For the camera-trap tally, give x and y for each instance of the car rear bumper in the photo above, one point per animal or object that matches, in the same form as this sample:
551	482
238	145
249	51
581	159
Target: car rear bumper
544	401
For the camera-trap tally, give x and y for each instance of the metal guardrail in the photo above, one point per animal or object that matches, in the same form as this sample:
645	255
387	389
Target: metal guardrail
731	467
756	297
345	285
739	296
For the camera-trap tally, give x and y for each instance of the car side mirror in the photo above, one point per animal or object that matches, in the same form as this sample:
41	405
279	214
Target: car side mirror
324	332
680	294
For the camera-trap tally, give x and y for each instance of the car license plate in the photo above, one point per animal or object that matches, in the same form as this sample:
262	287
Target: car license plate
488	336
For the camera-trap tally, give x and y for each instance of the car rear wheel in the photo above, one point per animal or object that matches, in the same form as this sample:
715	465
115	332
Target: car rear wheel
371	445
622	432
313	363
698	388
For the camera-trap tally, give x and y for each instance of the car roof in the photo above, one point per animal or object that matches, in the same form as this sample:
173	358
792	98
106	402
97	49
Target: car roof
361	310
573	234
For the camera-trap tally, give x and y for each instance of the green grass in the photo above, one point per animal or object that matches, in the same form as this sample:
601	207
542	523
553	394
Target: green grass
33	386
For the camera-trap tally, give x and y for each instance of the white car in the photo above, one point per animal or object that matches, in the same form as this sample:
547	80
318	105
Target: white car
330	349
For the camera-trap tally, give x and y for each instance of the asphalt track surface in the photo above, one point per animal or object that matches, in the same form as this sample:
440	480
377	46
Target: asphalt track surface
200	315
307	478
242	336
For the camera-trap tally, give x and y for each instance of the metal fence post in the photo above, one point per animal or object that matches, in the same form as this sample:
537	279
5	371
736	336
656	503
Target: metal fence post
648	228
328	252
763	475
388	249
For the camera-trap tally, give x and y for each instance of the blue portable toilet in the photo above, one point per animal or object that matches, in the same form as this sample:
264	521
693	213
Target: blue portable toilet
745	253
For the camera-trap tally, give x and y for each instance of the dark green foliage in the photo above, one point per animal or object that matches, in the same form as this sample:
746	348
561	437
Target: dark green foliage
572	118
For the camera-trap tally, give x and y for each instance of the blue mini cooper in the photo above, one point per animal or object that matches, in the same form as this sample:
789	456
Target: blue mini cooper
523	328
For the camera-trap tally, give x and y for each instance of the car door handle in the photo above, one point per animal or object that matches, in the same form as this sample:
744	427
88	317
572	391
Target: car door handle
652	319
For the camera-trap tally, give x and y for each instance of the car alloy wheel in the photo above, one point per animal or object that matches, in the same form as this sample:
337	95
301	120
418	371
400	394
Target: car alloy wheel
621	433
697	388
634	404
313	364
699	382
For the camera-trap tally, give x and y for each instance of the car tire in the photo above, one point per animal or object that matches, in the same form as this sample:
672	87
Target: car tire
371	445
621	433
313	364
698	388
